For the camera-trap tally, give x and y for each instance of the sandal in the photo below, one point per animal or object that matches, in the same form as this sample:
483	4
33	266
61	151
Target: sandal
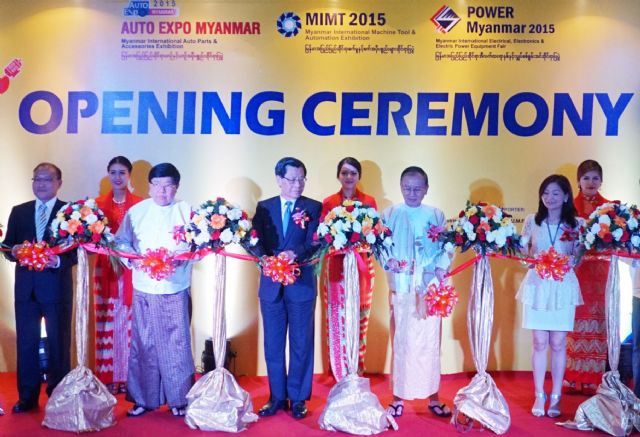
395	409
554	406
137	410
440	410
537	411
178	411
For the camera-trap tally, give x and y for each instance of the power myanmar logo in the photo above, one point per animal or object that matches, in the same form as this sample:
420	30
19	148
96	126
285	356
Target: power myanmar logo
445	19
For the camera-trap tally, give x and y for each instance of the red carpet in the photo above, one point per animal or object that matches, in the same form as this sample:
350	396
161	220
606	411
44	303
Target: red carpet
517	387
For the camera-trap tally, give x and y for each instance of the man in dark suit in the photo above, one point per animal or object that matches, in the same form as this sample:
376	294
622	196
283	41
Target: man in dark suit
45	294
286	224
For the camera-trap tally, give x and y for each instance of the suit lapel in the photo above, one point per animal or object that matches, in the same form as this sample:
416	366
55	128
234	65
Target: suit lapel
276	214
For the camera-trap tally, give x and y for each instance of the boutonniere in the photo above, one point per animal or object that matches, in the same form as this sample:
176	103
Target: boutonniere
569	234
301	218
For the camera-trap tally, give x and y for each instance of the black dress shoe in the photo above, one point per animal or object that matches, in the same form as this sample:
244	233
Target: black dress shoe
23	406
272	407
299	410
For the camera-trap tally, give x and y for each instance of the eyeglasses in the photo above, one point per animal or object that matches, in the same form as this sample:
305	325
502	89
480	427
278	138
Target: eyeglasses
42	180
165	188
412	190
294	180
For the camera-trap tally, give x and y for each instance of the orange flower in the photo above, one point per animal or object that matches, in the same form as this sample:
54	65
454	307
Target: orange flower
604	230
73	226
218	221
85	211
366	228
484	226
620	221
489	211
96	227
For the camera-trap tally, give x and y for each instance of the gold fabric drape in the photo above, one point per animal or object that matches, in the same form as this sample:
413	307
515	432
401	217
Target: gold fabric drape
80	402
481	400
351	406
216	401
614	408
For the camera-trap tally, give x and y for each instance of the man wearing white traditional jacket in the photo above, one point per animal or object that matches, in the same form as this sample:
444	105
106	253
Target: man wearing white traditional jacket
161	368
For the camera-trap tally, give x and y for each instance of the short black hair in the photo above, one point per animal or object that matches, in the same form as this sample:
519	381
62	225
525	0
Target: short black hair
415	170
281	166
122	160
51	166
165	170
352	162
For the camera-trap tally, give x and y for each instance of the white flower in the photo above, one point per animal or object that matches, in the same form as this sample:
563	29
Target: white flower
371	238
202	238
524	241
635	241
203	225
226	236
91	203
448	247
253	241
91	218
595	228
387	241
471	236
491	236
468	227
346	225
501	238
617	234
356	226
75	215
234	214
339	241
371	212
64	225
245	224
497	217
208	209
222	209
604	219
632	223
323	229
590	238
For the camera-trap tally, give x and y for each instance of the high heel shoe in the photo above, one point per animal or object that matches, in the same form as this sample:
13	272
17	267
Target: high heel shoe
538	412
554	406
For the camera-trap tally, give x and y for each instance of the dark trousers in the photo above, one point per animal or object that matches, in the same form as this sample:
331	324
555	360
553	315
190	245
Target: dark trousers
635	329
296	318
57	318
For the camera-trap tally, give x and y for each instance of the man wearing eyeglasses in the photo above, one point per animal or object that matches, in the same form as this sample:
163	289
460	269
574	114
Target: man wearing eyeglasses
161	366
285	225
46	294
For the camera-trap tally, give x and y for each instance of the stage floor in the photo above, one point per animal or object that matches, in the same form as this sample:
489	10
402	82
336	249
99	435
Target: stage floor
517	387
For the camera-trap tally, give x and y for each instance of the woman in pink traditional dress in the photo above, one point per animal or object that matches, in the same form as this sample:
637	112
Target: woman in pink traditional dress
587	344
113	289
549	306
332	277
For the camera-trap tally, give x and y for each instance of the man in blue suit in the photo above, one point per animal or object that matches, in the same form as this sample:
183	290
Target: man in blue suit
286	224
46	294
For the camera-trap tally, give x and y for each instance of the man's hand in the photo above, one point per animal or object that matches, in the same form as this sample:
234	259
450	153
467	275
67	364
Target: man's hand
440	274
290	254
53	262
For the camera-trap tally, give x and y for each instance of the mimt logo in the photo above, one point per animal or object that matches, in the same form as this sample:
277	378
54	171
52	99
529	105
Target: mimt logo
445	19
289	24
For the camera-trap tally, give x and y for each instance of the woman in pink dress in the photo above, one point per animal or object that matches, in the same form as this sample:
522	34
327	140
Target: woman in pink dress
113	289
332	276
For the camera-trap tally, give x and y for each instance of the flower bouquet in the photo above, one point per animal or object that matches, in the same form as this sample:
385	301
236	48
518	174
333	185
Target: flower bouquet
612	226
483	227
357	226
215	224
81	222
34	256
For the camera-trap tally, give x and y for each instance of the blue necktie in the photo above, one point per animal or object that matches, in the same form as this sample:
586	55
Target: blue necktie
286	217
42	221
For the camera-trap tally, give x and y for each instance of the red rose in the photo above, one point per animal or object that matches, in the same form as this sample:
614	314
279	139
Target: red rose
350	208
608	238
215	235
315	237
461	214
80	202
387	232
611	214
459	240
80	230
244	215
95	238
355	237
63	233
625	237
474	220
482	204
254	233
482	236
327	238
68	210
